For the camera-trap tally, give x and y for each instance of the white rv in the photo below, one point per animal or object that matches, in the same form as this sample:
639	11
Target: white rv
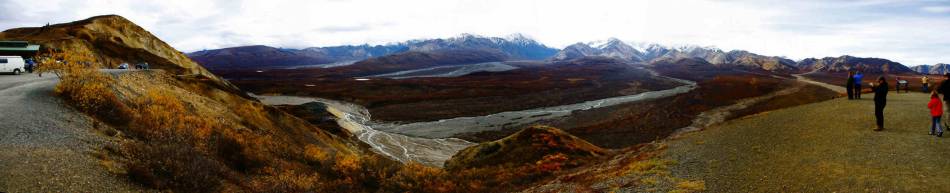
12	64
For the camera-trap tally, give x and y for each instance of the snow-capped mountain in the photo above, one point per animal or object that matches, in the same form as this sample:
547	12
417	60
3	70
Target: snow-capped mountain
270	57
649	52
515	46
939	68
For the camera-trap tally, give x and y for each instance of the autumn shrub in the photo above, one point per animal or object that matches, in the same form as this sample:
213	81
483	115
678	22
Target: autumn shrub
552	162
172	165
315	155
161	115
253	114
243	151
414	177
82	86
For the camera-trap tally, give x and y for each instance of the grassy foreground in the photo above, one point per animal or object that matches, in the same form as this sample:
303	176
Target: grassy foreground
820	147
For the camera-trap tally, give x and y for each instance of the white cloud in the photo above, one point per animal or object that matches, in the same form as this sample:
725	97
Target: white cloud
906	31
937	9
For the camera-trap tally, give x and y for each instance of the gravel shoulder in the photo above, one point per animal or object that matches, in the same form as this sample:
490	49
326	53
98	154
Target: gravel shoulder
820	147
45	146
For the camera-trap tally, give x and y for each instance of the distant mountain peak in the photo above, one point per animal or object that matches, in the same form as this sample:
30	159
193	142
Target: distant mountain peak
939	68
518	37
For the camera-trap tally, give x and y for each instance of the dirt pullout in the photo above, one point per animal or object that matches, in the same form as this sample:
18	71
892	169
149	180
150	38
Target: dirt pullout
821	147
47	146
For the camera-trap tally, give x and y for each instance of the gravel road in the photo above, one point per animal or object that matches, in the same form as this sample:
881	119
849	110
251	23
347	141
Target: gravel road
46	146
835	88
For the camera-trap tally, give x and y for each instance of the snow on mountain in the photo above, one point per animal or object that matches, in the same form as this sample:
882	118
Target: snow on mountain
939	68
649	52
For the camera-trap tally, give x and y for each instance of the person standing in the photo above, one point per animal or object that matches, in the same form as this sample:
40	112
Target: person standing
880	100
29	65
936	111
925	83
944	88
857	85
897	85
850	85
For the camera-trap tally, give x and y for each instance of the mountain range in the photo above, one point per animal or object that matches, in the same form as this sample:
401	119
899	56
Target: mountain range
939	68
651	53
515	47
519	47
844	63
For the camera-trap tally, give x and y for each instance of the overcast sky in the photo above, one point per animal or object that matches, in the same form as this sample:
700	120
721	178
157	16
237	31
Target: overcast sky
910	32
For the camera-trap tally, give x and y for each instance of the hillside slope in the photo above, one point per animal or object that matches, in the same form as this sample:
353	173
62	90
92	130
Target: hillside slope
175	128
114	40
530	145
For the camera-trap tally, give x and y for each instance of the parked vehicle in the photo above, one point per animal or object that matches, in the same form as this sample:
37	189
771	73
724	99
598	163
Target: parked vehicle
143	66
124	66
12	64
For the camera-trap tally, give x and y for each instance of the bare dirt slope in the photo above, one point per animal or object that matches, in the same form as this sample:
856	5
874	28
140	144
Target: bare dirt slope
820	147
45	146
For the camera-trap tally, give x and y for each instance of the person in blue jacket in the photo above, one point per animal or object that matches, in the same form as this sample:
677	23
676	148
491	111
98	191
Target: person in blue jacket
849	86
857	85
29	65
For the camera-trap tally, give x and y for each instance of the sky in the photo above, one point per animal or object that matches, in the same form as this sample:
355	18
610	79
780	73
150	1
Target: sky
910	32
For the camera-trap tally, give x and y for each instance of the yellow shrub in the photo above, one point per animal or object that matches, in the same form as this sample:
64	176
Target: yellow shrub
414	177
84	87
690	186
348	163
253	114
161	115
314	154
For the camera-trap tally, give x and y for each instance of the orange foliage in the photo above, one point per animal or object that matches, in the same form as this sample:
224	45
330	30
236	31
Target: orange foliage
83	86
347	163
162	115
414	177
315	154
551	162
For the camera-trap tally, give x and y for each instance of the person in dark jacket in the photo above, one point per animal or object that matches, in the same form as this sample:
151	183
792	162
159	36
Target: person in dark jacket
944	88
850	85
880	100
